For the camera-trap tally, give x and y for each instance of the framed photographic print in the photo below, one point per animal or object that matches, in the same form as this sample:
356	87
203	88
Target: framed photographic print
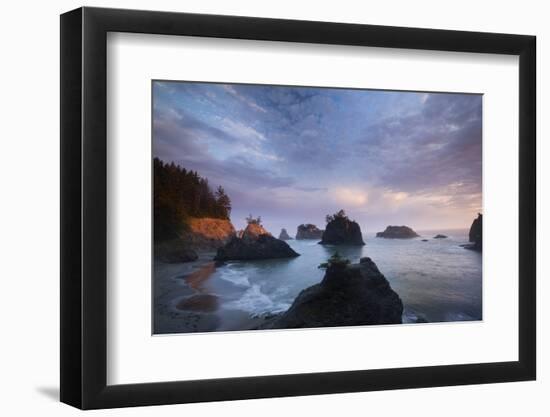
258	207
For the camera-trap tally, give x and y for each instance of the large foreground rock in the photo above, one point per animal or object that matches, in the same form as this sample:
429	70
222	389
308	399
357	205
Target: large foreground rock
342	231
255	243
284	235
348	295
398	232
309	231
476	234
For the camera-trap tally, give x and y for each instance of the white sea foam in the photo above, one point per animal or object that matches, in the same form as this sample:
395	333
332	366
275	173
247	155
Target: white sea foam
234	275
255	301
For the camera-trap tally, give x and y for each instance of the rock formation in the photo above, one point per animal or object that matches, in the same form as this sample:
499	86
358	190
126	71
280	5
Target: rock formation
341	230
253	231
255	243
440	237
348	295
397	232
309	231
207	233
475	235
284	235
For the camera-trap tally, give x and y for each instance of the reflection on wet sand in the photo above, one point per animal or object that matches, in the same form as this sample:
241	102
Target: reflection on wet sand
196	278
201	302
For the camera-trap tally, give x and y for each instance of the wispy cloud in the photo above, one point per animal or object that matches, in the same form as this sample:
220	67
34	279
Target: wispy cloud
381	155
251	103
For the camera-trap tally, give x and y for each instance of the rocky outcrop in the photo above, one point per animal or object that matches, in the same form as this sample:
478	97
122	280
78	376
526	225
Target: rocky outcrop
398	232
255	243
284	235
476	234
348	295
207	233
440	237
342	231
253	231
174	251
309	231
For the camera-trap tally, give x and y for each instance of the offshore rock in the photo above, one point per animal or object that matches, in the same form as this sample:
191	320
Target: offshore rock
398	232
348	295
309	231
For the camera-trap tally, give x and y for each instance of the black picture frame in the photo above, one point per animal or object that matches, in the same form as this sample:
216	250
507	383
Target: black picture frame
84	207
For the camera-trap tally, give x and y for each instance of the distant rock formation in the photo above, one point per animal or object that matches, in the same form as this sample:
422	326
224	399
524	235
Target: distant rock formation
397	232
255	243
348	295
284	235
424	240
174	251
440	237
475	235
341	230
309	231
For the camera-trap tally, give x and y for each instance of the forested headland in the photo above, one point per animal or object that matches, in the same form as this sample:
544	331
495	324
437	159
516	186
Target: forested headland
180	195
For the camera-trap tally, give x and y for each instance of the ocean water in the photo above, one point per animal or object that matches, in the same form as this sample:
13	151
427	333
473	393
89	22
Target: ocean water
437	280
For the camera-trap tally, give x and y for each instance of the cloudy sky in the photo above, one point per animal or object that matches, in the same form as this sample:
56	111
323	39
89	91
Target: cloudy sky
294	154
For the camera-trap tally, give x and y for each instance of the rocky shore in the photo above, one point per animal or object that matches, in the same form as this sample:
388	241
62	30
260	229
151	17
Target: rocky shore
200	235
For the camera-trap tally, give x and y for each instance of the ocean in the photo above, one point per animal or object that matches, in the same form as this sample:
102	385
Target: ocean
437	280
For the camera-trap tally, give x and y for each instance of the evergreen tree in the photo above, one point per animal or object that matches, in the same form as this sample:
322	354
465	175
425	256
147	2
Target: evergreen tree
179	194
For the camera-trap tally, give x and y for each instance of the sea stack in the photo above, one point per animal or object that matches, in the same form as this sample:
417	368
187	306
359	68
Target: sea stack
341	230
348	295
397	232
255	243
308	231
475	235
284	235
440	236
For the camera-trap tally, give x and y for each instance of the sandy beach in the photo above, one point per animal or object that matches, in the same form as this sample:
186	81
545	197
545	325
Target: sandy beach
183	304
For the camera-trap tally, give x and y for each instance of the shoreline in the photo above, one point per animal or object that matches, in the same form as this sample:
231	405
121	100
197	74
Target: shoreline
170	289
181	304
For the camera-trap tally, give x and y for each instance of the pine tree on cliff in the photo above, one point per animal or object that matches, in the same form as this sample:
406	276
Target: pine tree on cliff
224	203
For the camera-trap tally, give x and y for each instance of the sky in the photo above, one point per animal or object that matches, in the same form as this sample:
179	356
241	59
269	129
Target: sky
293	155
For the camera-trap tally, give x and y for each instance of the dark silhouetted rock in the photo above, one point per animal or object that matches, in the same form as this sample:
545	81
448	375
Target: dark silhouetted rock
475	235
309	231
255	243
174	251
440	237
284	235
397	232
424	240
348	295
341	230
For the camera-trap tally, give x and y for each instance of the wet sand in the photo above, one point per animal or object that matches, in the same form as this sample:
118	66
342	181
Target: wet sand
196	278
201	302
182	304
